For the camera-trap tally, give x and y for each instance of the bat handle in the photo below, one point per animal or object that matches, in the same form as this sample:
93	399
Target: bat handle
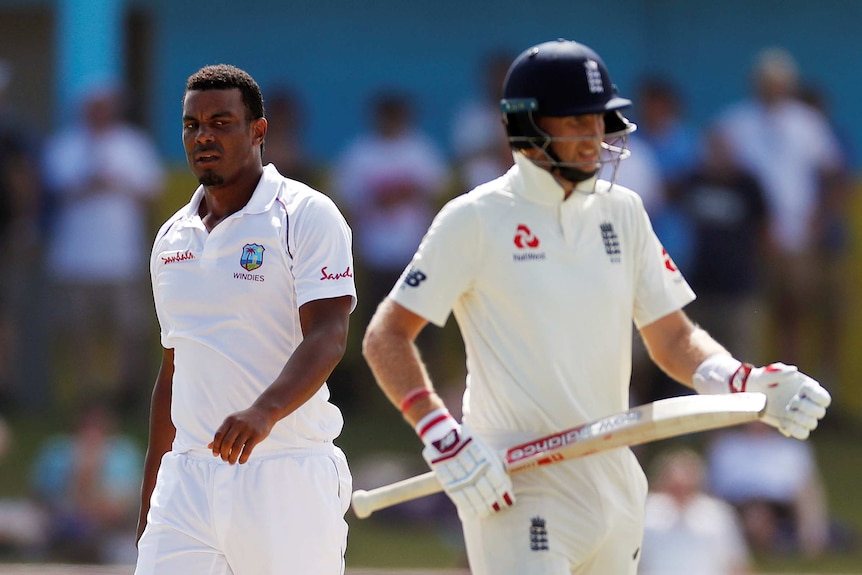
367	502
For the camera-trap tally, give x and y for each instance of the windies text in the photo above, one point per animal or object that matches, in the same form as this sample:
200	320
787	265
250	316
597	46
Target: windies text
248	277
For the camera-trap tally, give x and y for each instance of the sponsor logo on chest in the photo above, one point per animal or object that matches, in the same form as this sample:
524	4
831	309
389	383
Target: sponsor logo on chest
527	244
251	260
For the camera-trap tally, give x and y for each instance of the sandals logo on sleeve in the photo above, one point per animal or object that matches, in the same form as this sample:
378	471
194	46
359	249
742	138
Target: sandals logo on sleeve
176	256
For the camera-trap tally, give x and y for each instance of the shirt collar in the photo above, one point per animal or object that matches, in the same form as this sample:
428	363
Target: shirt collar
538	185
261	199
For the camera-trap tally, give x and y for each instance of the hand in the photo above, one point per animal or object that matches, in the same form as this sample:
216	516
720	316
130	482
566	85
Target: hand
794	402
239	433
470	472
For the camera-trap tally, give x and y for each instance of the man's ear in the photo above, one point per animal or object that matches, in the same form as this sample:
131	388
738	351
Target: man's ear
259	126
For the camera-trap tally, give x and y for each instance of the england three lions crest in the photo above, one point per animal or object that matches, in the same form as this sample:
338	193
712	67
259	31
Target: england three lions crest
252	256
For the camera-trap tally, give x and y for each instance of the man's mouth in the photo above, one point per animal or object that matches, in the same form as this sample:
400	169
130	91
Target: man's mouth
206	156
203	159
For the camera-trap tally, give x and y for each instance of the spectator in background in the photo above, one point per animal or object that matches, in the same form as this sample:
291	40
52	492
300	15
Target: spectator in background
674	149
661	148
23	525
285	137
640	171
661	123
102	175
790	148
727	209
21	377
88	482
833	237
390	181
686	530
775	484
479	142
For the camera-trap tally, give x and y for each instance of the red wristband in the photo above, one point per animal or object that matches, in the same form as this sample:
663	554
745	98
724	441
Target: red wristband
413	396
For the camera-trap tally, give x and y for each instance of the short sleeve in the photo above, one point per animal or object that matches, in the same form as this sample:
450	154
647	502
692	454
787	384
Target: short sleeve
660	289
320	245
445	264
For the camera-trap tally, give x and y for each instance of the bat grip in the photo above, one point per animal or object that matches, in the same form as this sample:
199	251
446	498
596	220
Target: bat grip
367	502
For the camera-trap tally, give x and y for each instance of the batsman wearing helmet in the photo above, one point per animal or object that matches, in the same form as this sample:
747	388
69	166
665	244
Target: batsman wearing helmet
546	269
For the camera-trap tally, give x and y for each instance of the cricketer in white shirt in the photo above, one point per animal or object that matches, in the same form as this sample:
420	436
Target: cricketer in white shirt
545	293
288	246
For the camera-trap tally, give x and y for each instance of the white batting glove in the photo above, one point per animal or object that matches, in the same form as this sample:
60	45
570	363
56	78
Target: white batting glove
795	403
470	472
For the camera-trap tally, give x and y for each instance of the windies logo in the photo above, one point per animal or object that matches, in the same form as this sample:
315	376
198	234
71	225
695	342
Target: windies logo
252	256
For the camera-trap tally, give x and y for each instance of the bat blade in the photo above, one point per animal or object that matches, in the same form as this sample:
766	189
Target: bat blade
650	422
643	424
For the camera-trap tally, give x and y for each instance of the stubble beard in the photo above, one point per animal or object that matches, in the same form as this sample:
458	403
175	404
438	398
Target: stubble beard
210	179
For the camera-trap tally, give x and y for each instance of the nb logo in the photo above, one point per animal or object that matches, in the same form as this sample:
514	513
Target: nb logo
414	278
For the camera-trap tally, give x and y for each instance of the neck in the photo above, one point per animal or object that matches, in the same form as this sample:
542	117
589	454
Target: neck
221	201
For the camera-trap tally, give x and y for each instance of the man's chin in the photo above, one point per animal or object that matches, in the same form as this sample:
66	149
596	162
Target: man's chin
576	175
210	179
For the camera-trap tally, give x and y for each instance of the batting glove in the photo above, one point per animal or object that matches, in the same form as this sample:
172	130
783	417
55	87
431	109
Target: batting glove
795	403
470	472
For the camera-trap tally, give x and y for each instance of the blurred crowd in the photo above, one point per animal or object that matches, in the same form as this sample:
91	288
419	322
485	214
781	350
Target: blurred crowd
752	207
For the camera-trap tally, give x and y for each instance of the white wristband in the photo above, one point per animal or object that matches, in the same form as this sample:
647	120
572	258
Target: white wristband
436	425
713	375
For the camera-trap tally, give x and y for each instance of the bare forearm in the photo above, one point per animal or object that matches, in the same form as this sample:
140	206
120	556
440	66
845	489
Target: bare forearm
303	375
678	346
398	368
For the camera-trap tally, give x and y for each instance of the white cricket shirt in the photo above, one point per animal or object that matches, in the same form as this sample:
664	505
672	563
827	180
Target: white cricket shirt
544	292
228	304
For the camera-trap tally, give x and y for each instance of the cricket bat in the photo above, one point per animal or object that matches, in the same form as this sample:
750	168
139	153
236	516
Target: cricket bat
654	421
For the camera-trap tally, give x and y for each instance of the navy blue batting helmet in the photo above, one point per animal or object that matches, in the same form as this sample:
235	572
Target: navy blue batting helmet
558	78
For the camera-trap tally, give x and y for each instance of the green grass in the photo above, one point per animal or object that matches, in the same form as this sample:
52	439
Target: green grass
377	543
375	428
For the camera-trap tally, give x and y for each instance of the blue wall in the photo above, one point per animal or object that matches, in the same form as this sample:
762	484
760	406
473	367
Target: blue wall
336	53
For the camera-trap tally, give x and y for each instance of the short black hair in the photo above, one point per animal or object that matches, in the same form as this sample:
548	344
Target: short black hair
226	77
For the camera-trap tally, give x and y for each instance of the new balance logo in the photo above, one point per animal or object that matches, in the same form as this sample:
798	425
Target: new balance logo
414	277
538	534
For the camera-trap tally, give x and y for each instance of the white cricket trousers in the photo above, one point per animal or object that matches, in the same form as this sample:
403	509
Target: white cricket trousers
581	517
276	514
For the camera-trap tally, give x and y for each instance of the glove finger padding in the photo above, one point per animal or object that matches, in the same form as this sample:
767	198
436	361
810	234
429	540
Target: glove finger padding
795	402
817	395
805	406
